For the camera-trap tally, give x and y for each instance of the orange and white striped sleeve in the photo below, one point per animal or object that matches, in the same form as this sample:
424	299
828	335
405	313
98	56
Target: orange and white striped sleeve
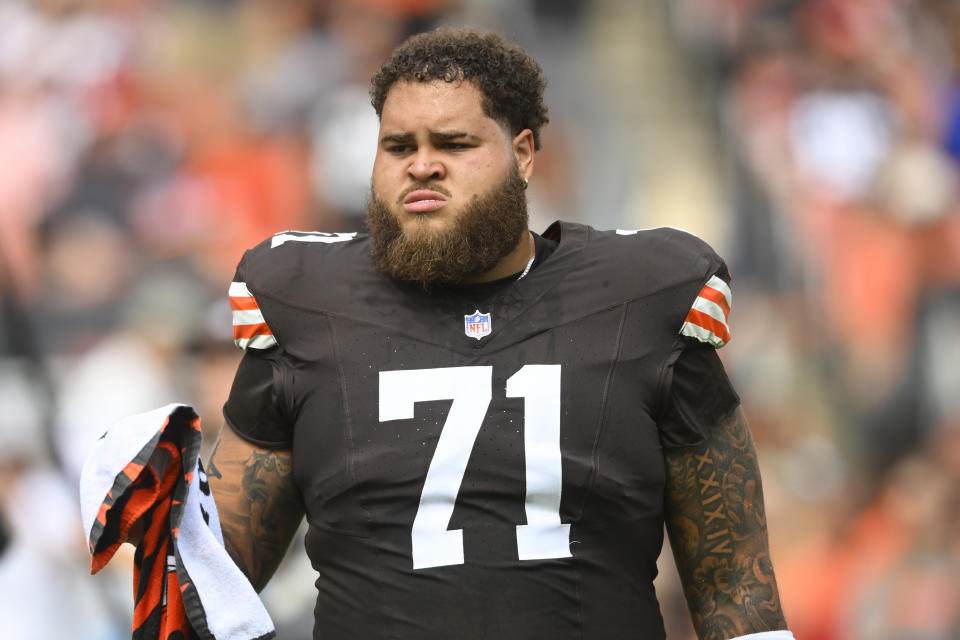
708	318
250	329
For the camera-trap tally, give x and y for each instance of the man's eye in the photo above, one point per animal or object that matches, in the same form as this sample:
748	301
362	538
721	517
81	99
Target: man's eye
455	146
399	148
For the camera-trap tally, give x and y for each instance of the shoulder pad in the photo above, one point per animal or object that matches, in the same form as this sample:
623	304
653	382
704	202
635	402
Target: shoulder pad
707	317
261	269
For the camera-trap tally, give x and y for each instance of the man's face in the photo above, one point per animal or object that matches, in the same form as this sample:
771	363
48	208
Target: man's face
447	186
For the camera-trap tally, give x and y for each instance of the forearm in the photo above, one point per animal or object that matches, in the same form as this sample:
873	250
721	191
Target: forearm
258	504
718	532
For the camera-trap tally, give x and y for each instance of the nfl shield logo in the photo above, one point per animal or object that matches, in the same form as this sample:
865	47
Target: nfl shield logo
477	325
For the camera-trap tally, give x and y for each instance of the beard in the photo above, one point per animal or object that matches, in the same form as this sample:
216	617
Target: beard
483	233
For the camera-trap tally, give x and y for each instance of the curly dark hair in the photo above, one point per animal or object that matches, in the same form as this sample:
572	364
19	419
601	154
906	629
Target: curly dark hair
511	82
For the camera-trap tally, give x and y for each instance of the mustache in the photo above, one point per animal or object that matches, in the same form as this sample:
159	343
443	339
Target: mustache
486	229
426	186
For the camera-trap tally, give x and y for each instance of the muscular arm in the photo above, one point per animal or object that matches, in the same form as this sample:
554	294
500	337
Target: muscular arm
718	532
259	505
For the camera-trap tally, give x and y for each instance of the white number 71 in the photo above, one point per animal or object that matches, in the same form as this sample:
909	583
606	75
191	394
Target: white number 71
470	388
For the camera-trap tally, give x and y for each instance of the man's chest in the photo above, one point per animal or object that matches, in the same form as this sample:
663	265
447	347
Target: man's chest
489	457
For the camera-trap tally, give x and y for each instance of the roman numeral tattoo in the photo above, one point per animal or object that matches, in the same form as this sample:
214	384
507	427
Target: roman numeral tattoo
718	531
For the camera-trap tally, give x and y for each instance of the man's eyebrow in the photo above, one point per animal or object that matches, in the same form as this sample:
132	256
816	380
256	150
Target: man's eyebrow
398	138
442	136
449	135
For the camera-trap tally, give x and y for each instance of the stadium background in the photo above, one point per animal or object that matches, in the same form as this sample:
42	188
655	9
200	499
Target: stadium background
145	143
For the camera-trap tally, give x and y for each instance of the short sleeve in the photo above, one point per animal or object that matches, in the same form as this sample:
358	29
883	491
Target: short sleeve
250	329
254	409
700	396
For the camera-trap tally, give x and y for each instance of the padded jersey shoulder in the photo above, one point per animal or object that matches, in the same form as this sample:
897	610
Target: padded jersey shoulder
706	318
288	264
291	277
664	256
289	270
668	266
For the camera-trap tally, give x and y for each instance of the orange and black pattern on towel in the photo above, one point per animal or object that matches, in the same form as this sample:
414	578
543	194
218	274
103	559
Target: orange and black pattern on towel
151	490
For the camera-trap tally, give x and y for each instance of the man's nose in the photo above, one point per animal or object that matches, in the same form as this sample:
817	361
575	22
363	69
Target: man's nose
425	166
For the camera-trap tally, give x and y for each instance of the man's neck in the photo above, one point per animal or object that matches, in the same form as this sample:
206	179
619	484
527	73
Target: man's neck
514	262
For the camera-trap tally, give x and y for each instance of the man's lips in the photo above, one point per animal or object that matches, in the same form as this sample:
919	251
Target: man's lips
423	201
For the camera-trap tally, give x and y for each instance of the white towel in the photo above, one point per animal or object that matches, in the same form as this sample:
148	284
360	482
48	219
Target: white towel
219	601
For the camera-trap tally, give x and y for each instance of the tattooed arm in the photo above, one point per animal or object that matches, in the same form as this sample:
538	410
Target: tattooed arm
718	532
259	505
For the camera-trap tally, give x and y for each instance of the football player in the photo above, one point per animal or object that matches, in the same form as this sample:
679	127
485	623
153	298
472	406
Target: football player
487	429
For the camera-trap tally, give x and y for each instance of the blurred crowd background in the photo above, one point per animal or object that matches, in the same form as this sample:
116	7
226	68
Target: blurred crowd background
144	144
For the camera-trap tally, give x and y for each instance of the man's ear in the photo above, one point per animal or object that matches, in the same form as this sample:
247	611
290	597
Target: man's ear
523	151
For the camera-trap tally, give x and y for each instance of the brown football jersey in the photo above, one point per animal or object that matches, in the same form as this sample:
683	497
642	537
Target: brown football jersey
483	466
